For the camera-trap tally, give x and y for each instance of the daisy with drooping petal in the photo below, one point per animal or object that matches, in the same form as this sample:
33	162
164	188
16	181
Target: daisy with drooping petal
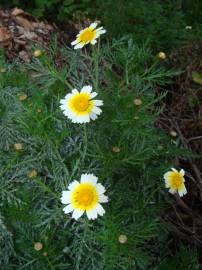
88	35
80	107
84	196
174	180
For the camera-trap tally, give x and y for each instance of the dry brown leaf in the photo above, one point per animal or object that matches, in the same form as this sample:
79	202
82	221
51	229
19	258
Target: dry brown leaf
24	22
24	56
4	34
17	11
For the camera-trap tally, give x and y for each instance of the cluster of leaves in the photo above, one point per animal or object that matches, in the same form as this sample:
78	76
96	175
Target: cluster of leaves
60	151
163	23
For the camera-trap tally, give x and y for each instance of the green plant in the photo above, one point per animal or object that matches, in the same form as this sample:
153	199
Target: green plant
61	151
161	22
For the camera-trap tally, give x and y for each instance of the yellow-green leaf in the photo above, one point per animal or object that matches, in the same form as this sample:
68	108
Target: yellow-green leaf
197	77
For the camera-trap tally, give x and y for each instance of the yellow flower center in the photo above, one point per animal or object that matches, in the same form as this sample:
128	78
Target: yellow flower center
87	35
176	180
85	197
81	103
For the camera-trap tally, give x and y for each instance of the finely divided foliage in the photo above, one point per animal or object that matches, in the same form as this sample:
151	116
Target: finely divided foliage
61	151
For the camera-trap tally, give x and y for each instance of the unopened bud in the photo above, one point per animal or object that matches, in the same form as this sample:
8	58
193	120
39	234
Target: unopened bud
22	97
37	53
162	55
123	238
173	133
137	102
18	146
116	149
38	246
32	174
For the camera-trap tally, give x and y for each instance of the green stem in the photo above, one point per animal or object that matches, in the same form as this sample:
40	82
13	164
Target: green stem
46	188
85	142
57	74
96	62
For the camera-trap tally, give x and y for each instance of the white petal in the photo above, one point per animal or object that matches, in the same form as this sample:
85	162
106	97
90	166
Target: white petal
86	88
172	190
79	45
100	188
98	102
99	28
93	116
75	91
167	175
66	197
89	178
183	191
100	209
94	94
68	112
103	198
91	214
99	32
63	101
68	209
167	183
93	25
73	185
81	119
77	214
84	177
74	42
97	110
174	169
93	42
102	31
182	172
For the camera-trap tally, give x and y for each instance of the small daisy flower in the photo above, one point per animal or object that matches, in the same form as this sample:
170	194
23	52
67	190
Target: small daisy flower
174	180
88	35
80	106
85	196
188	27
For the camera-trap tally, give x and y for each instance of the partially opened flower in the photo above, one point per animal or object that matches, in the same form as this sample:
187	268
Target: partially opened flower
80	106
85	196
88	35
174	180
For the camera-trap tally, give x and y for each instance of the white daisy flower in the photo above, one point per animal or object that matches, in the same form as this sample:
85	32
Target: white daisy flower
80	106
188	27
174	180
85	196
88	35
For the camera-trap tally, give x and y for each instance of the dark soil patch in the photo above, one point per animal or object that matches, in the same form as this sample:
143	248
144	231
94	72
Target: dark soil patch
183	115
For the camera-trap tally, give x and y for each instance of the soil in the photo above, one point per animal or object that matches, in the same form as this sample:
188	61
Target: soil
20	33
183	115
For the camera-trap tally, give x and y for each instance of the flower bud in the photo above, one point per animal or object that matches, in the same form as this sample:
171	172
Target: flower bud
123	238
137	102
162	56
173	133
22	97
37	53
116	149
18	146
32	174
38	246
